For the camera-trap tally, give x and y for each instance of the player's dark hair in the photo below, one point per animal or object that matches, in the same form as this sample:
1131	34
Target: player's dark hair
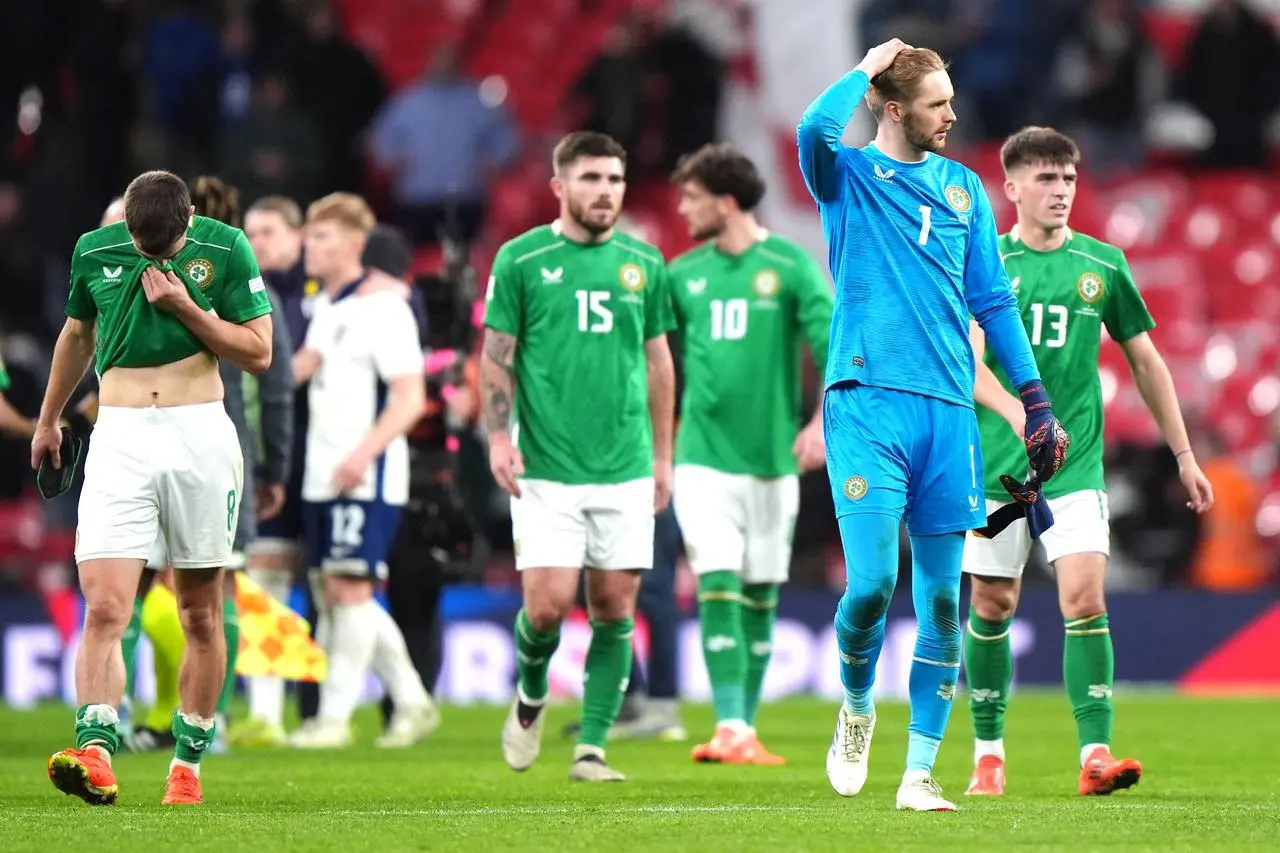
722	170
157	211
585	143
216	199
1038	145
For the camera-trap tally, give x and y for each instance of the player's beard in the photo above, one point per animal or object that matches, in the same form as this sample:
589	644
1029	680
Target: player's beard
581	214
707	230
918	139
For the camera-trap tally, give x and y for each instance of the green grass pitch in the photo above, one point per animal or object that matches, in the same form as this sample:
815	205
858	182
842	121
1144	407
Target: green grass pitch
1210	783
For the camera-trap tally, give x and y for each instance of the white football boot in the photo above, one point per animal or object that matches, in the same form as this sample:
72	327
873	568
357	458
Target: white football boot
850	748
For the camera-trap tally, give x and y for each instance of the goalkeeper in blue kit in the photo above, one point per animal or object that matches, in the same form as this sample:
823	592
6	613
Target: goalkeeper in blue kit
913	250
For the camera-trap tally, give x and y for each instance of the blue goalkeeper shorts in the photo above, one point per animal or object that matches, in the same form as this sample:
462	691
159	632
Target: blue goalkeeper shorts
903	454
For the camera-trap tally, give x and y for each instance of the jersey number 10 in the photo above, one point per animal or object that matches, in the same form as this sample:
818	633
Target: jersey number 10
728	319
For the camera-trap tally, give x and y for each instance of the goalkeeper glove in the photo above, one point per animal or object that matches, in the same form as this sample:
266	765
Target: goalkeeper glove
1030	495
1046	440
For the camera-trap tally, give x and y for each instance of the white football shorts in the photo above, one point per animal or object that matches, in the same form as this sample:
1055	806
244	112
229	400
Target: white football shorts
562	525
737	522
1081	524
171	474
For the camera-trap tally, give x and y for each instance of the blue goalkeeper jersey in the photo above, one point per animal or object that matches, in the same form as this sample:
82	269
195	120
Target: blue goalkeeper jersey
913	251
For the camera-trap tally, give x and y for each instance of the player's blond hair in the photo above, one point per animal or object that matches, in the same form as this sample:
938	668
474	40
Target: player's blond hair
346	209
900	80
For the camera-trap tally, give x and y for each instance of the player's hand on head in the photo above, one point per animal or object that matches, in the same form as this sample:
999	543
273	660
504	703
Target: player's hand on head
505	463
663	479
880	57
164	289
810	448
47	441
1196	484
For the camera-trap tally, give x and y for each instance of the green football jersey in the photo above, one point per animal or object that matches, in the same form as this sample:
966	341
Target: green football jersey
1065	296
740	321
4	376
216	264
581	315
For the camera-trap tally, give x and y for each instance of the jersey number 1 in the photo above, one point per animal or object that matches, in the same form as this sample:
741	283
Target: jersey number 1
926	213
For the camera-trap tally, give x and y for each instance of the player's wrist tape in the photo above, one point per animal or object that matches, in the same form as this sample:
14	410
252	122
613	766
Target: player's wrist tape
1181	453
1033	396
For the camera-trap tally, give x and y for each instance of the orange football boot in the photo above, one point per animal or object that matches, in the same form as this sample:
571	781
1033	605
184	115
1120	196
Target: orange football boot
733	746
1104	773
183	788
988	778
84	773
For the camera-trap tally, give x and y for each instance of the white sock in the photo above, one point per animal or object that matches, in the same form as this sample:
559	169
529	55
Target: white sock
988	747
178	762
266	692
351	641
1087	750
914	776
392	664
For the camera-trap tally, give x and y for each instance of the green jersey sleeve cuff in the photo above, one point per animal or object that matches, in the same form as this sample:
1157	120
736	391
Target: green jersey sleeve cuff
500	325
253	312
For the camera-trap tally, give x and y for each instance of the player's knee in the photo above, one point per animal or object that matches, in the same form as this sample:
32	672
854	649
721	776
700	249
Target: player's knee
107	616
994	600
863	606
611	595
1082	600
201	620
545	615
943	602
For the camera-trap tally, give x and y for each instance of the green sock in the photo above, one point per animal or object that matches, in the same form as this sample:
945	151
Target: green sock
608	668
759	609
723	645
1088	670
191	736
129	646
230	630
988	669
533	657
96	724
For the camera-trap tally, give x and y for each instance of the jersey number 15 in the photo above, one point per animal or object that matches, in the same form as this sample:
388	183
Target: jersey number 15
594	314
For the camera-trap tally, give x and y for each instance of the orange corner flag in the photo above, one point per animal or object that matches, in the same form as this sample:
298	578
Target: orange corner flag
273	639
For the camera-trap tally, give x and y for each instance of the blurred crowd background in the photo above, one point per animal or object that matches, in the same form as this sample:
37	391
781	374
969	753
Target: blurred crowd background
442	113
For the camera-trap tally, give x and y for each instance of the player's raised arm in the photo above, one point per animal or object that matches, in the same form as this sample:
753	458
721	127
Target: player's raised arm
822	125
991	301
